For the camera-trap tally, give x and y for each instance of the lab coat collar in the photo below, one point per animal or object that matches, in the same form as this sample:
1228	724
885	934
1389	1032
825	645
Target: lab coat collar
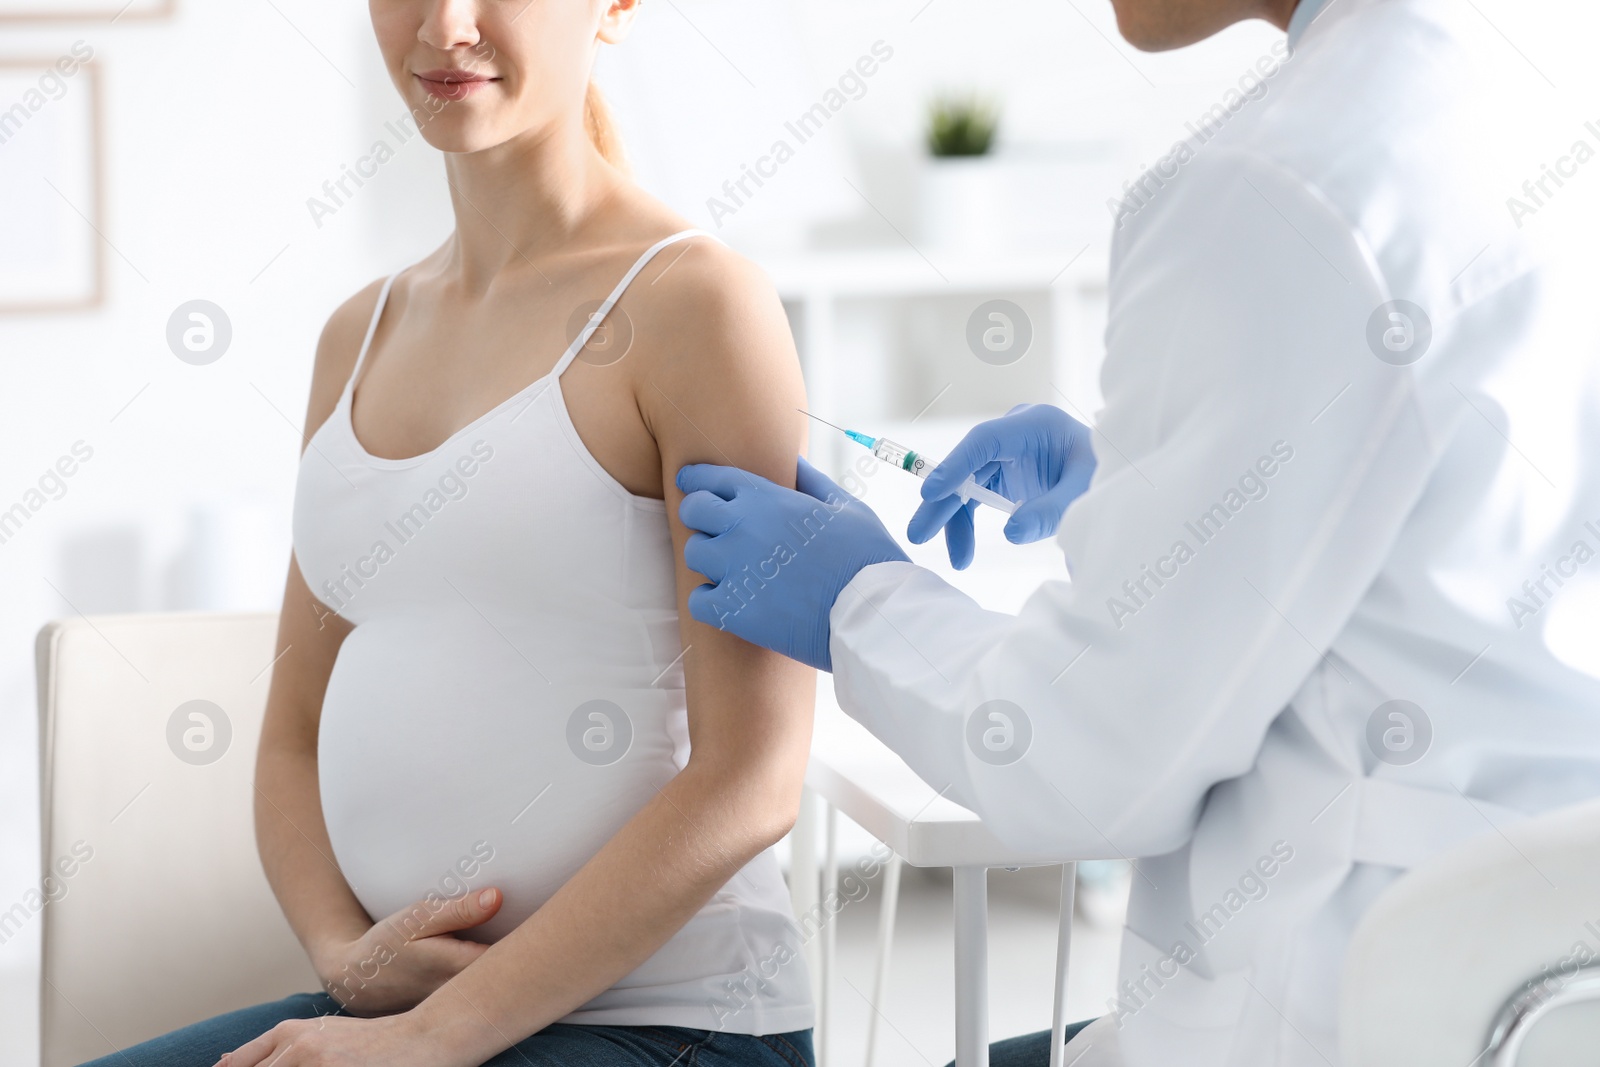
1305	13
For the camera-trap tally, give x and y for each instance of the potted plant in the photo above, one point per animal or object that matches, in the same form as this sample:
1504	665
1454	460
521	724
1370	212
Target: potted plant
961	126
960	197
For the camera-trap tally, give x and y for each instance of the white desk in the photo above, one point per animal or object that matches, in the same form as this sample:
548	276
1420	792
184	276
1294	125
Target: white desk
854	773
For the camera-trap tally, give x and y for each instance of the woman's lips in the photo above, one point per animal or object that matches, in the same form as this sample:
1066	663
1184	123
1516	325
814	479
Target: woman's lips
452	84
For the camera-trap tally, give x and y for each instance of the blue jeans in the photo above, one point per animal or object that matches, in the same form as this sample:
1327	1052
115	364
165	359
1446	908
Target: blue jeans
202	1044
1029	1050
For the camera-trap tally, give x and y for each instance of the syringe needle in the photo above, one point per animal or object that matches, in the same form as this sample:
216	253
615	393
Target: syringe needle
824	422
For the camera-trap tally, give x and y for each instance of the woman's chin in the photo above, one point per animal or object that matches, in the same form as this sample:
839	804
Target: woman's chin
459	138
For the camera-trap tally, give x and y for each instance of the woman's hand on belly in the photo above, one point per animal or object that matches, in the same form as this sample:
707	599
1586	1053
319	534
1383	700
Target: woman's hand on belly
401	960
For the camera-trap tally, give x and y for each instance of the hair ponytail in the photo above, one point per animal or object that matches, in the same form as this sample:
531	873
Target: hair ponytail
602	127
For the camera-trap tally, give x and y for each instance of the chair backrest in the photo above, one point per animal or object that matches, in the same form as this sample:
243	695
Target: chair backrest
156	912
1441	952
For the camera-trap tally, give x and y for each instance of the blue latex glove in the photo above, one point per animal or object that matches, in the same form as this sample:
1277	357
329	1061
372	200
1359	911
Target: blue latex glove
779	558
1036	454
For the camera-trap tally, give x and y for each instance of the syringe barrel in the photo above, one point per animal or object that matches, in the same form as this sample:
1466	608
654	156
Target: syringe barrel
896	454
899	455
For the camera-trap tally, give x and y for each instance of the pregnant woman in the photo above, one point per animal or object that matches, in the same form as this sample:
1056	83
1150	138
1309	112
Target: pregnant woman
517	805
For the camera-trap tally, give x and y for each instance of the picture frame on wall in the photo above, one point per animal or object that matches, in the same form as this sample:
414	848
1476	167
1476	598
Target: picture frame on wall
51	188
82	10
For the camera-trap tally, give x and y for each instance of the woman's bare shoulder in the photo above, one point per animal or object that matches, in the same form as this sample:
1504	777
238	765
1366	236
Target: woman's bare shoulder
717	374
708	304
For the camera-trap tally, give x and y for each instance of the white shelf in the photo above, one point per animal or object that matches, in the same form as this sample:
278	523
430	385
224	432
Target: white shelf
814	283
907	271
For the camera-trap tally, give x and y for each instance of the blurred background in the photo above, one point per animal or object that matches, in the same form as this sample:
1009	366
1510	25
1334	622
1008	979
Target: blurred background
194	158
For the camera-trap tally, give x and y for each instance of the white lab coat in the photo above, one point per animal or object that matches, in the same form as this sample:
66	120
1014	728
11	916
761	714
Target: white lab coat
1371	525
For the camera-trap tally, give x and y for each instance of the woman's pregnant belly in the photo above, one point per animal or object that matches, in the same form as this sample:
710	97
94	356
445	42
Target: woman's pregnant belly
447	763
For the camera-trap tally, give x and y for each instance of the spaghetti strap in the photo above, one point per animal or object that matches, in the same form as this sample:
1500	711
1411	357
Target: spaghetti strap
372	328
599	314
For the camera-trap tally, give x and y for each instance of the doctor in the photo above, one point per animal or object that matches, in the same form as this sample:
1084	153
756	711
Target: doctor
1332	572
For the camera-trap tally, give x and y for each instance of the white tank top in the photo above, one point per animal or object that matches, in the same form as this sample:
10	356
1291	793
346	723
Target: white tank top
512	691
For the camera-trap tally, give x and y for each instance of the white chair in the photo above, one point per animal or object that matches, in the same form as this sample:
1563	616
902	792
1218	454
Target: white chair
163	915
1484	955
854	773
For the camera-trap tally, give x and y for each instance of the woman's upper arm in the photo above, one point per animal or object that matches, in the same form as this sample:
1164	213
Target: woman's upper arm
724	386
309	635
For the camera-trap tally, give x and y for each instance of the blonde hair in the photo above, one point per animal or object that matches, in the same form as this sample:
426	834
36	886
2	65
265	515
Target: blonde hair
602	127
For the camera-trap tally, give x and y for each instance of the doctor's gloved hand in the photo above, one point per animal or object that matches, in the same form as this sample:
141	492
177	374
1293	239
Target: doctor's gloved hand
1036	454
778	558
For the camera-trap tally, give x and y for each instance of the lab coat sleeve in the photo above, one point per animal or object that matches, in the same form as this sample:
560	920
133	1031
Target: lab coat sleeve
1256	462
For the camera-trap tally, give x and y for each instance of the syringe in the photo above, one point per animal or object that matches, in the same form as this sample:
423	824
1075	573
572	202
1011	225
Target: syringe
898	455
